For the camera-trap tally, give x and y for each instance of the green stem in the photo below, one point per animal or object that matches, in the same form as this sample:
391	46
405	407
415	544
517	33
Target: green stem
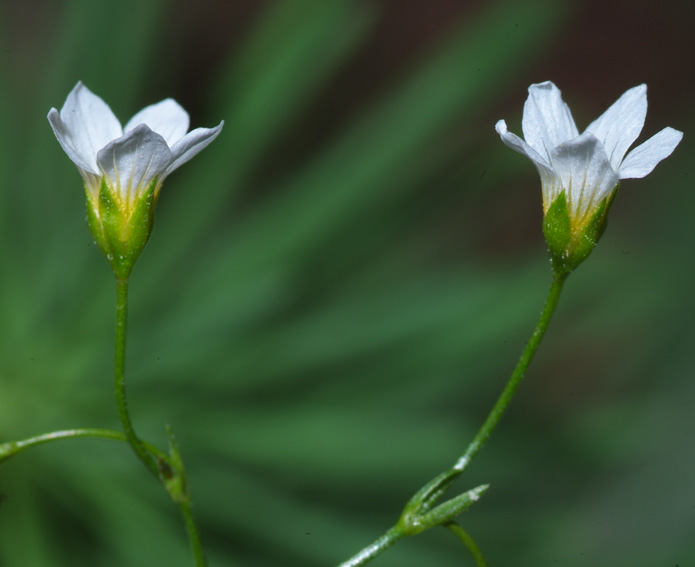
515	379
467	540
119	379
376	548
428	495
169	471
193	535
12	448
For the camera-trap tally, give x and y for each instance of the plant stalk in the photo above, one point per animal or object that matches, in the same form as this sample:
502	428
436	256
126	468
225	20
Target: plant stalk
168	471
427	496
119	379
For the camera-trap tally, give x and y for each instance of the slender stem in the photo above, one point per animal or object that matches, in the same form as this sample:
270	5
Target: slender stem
11	448
170	472
376	548
467	540
119	379
427	496
515	379
193	534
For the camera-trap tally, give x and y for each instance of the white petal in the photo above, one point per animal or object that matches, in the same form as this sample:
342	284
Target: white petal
547	120
585	173
65	139
191	144
621	124
516	143
643	159
84	126
134	160
167	118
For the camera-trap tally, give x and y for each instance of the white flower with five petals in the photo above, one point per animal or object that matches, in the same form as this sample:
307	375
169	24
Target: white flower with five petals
586	167
152	144
123	167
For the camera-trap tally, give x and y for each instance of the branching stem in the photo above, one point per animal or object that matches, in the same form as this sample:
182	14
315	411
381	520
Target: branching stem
168	470
427	497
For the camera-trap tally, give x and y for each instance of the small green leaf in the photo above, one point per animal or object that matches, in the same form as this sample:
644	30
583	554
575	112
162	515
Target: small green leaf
412	522
453	508
172	473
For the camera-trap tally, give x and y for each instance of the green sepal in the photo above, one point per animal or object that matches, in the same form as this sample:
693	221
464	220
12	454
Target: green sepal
95	226
121	234
557	229
587	238
608	204
566	250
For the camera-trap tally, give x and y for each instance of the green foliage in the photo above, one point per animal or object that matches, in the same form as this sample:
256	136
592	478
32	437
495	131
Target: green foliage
325	312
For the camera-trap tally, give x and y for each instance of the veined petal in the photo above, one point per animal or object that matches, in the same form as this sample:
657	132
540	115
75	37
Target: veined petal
621	124
643	159
586	175
65	139
84	126
547	121
514	142
167	118
133	161
192	143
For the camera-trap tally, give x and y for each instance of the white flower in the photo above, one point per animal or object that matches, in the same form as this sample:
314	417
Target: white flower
123	168
151	145
586	167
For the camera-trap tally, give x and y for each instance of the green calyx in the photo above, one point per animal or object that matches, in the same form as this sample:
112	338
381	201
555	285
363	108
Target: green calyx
121	234
567	245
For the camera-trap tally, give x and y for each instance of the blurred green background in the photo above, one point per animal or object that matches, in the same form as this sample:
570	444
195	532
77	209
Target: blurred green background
337	289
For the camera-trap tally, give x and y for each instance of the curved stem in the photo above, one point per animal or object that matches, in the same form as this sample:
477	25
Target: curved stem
169	471
12	448
376	548
515	379
467	540
428	495
119	379
193	534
